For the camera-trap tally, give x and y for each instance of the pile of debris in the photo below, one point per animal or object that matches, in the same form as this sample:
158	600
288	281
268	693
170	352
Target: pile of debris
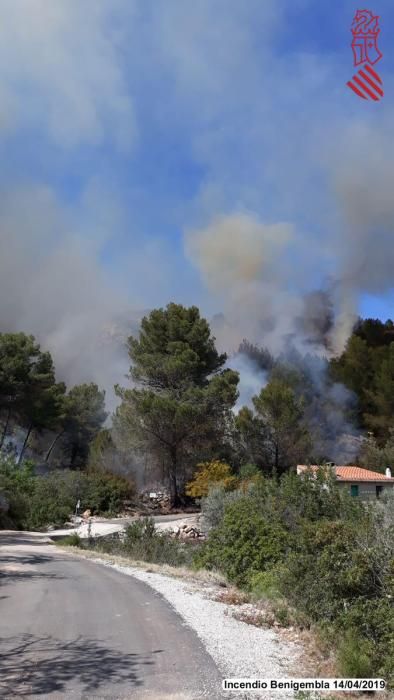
185	531
156	500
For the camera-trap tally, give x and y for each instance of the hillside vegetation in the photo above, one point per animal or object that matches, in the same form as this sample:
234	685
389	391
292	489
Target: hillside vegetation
178	413
323	559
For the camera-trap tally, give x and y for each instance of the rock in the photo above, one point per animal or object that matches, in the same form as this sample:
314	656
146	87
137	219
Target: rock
87	514
155	499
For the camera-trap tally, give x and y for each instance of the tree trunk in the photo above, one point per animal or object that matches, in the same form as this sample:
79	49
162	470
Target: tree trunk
58	436
173	490
174	495
74	455
4	434
25	444
275	471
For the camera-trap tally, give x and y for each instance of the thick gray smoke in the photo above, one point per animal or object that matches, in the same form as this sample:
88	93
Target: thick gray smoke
260	275
252	379
249	266
363	187
264	274
52	286
316	321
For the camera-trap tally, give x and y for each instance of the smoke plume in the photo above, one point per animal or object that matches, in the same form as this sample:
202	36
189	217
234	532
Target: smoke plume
254	270
52	286
252	379
364	250
250	267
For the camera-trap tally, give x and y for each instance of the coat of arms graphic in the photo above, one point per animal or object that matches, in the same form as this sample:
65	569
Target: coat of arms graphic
366	83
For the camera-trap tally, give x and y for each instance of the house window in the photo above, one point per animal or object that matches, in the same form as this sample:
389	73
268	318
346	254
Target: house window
379	489
354	490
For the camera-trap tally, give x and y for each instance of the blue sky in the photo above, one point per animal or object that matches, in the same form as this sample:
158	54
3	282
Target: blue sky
143	134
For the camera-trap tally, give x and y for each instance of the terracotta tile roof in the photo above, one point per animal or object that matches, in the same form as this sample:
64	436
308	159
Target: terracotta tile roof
351	473
359	474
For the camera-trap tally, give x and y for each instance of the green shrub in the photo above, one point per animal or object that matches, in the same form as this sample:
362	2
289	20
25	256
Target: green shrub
16	487
265	584
215	503
105	492
37	501
326	570
248	471
294	500
355	656
142	542
372	624
53	499
243	544
72	540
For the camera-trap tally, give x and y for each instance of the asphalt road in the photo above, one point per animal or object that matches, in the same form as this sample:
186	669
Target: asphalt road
71	628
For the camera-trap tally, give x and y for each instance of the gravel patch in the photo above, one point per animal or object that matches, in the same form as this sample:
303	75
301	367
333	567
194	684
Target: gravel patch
238	649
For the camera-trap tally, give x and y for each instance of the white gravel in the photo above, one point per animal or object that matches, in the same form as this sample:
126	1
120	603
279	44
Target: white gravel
238	649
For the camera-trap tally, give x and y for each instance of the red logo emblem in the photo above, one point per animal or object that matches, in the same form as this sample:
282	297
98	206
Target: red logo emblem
366	83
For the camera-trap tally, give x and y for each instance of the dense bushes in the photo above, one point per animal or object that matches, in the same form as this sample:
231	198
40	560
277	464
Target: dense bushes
366	630
214	504
330	556
52	501
326	570
36	501
16	489
104	492
244	543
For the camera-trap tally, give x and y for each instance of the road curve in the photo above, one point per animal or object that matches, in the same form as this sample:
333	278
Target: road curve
71	628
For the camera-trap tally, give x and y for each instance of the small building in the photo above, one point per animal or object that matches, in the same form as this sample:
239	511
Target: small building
357	481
